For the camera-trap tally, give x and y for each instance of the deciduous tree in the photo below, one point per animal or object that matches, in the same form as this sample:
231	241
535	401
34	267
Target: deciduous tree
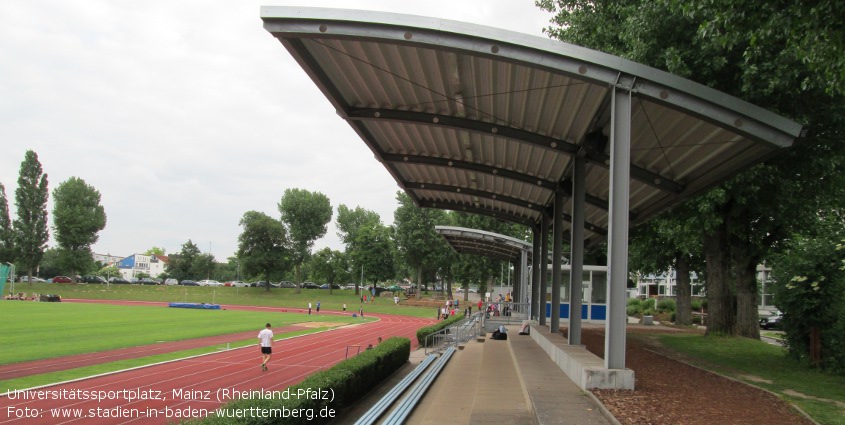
78	217
262	245
31	223
416	240
776	55
306	215
330	265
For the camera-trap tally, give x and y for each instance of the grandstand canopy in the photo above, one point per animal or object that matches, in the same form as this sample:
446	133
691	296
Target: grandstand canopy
478	119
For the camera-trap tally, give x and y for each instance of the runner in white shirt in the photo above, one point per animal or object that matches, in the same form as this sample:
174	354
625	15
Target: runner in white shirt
265	342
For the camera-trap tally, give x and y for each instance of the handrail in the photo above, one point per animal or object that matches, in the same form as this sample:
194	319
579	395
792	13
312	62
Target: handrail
407	404
459	332
378	409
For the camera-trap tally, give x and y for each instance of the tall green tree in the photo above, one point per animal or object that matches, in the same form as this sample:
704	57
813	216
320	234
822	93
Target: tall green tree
7	234
349	221
418	244
262	245
330	265
31	223
306	215
373	254
180	266
350	224
78	217
50	264
774	54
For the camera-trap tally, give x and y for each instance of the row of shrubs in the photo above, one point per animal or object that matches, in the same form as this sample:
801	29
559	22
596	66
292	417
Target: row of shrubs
423	333
348	380
649	307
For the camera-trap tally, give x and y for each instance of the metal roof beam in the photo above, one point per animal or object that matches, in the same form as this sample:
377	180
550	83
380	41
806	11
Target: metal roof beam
500	215
475	192
485	128
467	165
481	127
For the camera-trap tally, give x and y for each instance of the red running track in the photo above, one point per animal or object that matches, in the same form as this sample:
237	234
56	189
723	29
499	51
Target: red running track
191	387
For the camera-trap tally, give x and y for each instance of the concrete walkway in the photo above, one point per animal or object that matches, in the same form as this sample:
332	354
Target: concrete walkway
511	382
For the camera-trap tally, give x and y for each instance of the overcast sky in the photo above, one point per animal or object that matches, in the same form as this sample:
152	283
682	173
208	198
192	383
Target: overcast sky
186	114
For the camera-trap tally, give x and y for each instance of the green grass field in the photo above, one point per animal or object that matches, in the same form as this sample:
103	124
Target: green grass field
47	330
276	297
822	396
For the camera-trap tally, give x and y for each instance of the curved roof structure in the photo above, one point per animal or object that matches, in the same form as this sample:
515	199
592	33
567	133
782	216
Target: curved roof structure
483	243
478	119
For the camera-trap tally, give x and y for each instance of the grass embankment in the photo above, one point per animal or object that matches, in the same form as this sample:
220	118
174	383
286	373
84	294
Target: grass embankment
276	297
822	396
51	330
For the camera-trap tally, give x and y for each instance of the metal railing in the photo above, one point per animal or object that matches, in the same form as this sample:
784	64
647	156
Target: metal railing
458	333
505	313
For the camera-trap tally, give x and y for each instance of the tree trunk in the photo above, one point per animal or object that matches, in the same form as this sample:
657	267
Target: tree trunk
683	303
419	281
298	269
720	300
448	288
745	267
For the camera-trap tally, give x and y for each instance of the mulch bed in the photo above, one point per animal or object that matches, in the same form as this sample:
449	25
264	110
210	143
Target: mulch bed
668	391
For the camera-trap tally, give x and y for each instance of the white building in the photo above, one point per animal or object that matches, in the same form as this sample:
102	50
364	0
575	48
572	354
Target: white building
153	265
664	285
107	259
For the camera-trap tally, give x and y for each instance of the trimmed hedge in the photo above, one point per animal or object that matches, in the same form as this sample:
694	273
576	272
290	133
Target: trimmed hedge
347	381
422	333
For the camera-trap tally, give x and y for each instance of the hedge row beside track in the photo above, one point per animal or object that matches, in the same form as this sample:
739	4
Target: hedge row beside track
422	333
347	382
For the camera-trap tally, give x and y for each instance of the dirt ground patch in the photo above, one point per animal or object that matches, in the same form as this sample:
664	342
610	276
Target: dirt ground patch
671	392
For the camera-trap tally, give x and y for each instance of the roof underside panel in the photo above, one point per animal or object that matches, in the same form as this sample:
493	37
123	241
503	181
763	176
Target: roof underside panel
491	120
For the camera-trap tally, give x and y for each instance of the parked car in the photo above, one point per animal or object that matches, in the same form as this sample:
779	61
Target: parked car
237	283
171	281
261	284
61	279
771	322
209	282
188	282
310	285
118	279
286	284
92	279
149	281
326	286
34	279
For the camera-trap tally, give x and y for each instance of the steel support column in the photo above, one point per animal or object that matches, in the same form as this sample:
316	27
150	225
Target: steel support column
576	259
617	255
557	242
535	273
523	278
544	266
